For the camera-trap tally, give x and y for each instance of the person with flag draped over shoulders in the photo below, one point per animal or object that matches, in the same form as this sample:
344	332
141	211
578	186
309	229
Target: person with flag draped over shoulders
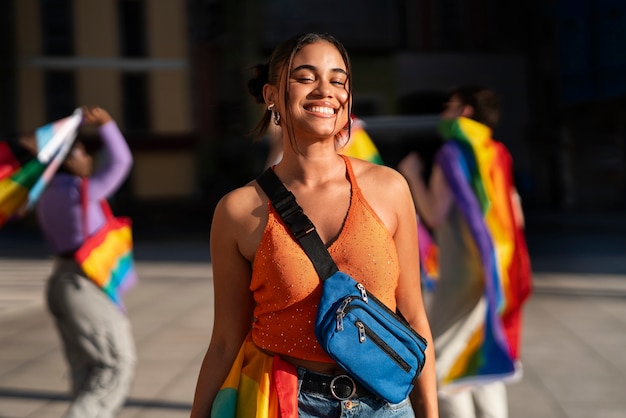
96	334
472	206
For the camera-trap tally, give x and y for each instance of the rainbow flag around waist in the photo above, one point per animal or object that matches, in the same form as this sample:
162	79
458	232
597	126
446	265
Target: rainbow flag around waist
258	386
22	180
478	171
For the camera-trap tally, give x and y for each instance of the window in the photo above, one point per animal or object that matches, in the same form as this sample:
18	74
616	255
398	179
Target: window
132	26
57	27
8	90
60	94
135	96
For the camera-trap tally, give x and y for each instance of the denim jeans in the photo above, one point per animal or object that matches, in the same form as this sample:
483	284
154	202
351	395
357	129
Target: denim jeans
314	405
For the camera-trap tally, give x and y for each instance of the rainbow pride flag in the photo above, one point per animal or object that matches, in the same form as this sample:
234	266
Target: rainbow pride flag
22	182
258	386
479	172
360	145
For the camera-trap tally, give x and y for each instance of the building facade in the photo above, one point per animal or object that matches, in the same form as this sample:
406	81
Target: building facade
173	74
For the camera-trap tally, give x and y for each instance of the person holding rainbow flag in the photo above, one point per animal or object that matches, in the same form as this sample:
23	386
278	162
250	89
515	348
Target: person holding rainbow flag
94	328
484	269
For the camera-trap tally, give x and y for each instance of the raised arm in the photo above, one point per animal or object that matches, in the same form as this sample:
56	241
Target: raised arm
118	159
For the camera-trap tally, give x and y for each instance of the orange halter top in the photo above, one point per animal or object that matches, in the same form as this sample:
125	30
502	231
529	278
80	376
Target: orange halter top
287	288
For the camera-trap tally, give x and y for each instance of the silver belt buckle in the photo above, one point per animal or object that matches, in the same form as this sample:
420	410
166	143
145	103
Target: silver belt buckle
336	380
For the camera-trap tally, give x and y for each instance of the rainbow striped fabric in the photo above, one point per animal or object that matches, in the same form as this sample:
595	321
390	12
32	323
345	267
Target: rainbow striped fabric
360	145
479	173
258	386
107	259
429	257
22	182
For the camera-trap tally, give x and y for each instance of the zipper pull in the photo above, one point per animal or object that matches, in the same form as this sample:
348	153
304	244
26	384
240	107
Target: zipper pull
340	313
343	305
361	328
339	326
363	292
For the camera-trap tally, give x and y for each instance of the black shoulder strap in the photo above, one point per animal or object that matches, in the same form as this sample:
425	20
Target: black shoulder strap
298	223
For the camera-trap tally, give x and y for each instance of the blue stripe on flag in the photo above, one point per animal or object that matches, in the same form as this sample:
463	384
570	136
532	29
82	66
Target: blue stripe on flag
44	134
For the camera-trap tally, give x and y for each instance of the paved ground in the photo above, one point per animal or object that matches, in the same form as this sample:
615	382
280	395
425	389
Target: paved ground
573	341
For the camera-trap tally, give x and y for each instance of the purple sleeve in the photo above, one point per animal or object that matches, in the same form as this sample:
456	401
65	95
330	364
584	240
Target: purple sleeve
115	166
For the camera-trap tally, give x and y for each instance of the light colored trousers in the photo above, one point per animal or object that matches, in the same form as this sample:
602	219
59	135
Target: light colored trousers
487	401
97	339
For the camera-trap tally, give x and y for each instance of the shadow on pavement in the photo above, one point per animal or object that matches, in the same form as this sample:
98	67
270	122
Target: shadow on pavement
59	397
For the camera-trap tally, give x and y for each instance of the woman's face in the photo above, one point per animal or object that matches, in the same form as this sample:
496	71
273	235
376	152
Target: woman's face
318	91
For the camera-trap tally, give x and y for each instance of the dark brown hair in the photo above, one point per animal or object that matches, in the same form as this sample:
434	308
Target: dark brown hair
484	101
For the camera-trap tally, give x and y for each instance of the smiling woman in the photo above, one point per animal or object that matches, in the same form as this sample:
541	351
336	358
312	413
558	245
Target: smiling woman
324	83
267	291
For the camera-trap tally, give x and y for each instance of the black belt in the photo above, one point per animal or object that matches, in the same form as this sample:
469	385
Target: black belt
341	387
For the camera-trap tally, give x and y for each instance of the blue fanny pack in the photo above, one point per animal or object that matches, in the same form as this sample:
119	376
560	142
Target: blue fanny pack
373	344
367	339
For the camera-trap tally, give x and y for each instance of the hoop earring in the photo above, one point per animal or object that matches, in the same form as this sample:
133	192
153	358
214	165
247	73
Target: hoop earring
275	114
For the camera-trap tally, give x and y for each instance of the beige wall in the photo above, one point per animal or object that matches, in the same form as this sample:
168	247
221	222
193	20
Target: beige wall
31	112
27	27
163	175
29	80
166	22
97	86
170	102
96	28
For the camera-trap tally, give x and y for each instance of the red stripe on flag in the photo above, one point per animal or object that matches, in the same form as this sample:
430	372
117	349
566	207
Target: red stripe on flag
8	162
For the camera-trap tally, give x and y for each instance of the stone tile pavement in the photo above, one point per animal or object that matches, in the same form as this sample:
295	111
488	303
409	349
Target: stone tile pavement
573	341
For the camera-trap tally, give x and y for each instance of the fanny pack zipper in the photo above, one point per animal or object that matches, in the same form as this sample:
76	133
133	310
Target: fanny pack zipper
385	308
365	331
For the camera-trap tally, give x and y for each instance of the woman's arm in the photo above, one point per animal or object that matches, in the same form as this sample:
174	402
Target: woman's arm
432	202
409	298
118	159
233	303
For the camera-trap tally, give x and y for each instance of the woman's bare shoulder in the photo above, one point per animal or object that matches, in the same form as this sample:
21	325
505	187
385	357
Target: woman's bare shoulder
241	216
377	178
241	204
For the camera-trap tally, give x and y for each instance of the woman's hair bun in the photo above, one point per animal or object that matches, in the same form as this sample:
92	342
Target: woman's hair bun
259	79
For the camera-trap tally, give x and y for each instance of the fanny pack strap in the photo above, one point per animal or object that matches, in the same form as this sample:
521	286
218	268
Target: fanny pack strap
297	223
